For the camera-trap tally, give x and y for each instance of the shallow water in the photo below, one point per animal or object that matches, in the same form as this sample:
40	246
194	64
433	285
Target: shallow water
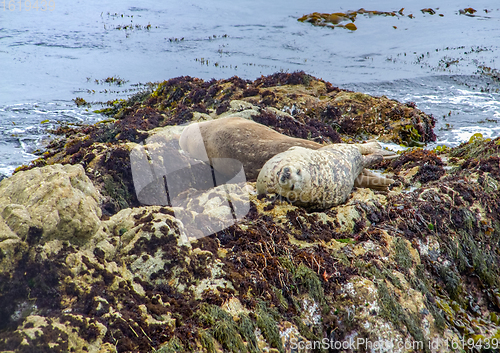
442	63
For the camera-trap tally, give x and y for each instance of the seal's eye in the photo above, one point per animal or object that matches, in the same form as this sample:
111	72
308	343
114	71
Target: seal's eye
298	171
293	187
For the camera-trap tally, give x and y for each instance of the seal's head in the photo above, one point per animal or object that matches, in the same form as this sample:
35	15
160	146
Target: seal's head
191	141
291	182
285	177
289	178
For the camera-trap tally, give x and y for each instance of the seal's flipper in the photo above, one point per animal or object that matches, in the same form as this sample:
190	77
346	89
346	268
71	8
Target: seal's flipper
373	147
391	156
371	159
368	179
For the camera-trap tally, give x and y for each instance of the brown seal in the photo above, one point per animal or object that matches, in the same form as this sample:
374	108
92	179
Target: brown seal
234	138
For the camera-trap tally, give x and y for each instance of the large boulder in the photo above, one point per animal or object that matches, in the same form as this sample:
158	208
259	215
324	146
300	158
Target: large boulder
53	202
224	270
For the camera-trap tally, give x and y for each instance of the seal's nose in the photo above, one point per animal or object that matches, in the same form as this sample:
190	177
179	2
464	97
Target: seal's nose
285	175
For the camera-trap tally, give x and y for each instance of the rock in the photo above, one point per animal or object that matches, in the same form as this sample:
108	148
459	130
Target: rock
9	254
51	202
296	104
225	270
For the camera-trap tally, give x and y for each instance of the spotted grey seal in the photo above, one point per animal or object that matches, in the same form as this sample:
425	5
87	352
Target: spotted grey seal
316	179
222	141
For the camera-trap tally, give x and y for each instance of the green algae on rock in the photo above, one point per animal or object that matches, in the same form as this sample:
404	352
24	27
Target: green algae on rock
417	264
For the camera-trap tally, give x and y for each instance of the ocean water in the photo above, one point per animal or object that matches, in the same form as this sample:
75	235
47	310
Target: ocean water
447	63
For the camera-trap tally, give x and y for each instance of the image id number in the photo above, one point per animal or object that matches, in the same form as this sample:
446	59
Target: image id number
27	5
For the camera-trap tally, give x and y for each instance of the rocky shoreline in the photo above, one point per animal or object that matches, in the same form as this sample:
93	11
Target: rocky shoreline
84	266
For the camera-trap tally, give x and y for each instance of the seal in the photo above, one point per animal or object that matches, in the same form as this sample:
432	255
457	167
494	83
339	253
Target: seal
232	142
221	140
316	179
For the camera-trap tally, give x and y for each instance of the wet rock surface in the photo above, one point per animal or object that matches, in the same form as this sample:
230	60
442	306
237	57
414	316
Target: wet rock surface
417	264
